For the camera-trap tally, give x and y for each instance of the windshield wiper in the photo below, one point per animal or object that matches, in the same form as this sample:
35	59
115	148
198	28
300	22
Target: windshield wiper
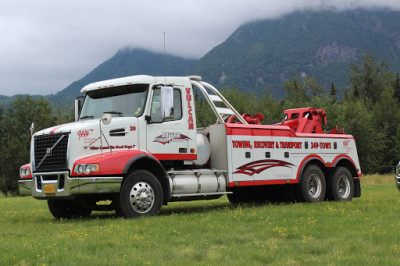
86	116
113	112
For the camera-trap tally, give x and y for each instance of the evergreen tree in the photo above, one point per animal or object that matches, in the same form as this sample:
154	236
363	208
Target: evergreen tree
359	122
333	91
368	78
386	114
300	91
372	84
396	87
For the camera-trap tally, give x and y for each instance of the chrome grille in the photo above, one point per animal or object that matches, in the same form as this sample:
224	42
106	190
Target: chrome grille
51	152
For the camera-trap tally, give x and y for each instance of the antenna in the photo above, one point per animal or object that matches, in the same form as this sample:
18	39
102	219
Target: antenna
165	71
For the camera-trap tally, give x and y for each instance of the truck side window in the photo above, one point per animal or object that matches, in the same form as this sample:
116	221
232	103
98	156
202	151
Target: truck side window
156	115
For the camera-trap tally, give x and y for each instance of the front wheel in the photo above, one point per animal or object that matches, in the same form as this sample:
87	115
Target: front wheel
341	185
313	186
141	194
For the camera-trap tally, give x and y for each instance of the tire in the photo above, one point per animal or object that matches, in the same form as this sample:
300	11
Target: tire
313	186
116	204
141	194
234	197
341	185
67	209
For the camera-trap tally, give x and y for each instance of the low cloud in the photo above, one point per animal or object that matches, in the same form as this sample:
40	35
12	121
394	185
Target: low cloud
46	45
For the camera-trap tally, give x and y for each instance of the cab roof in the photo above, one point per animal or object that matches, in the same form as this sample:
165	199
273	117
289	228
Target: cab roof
140	79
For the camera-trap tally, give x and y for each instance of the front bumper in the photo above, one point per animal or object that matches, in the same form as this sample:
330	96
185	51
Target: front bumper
61	185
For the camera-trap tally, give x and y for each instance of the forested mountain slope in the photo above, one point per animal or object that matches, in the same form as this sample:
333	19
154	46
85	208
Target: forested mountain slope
266	53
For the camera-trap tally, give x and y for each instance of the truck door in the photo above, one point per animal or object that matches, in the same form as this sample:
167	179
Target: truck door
167	137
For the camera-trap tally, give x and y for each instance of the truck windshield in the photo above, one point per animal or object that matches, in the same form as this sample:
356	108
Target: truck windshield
118	101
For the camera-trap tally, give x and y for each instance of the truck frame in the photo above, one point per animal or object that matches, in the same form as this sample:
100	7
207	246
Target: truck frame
135	143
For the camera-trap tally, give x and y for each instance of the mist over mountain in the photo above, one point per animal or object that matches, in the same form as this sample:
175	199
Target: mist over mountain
265	53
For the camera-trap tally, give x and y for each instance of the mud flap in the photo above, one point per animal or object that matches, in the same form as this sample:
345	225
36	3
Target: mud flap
357	188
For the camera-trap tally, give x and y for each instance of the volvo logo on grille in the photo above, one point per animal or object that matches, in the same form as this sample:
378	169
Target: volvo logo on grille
49	151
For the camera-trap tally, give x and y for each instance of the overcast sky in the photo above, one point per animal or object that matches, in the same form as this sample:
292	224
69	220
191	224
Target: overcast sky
45	45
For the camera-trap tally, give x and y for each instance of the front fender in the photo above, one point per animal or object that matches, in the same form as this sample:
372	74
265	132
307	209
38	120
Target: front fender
111	163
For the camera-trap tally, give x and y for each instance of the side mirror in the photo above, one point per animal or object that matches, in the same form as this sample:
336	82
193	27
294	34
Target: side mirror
106	119
148	119
78	107
167	102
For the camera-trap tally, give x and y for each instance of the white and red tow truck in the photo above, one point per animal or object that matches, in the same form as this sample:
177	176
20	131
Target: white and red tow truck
135	143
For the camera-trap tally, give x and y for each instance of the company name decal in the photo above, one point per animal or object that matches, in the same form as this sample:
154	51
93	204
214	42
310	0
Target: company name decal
247	144
189	99
240	144
168	137
83	133
257	167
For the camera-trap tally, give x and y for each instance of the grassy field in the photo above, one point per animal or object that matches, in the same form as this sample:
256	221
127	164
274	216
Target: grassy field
365	231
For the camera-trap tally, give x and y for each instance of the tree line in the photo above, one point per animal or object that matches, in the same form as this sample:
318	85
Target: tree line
16	119
369	109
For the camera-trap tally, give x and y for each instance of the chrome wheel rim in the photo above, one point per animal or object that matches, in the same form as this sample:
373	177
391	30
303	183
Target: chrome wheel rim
142	197
314	186
344	186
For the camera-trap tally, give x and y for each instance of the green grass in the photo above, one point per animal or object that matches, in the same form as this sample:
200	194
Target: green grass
364	231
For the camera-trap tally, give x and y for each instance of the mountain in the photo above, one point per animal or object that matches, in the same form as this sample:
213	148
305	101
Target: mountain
265	53
127	62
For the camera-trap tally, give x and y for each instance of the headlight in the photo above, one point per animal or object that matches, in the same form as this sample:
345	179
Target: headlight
86	168
24	172
80	169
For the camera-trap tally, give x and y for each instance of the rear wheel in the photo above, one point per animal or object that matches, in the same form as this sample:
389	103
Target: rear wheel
313	186
141	194
341	185
67	209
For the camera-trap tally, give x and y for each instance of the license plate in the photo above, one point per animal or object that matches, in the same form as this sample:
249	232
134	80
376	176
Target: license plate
49	189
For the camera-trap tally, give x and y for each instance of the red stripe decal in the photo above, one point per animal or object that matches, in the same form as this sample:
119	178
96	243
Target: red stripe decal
275	131
259	183
257	167
56	128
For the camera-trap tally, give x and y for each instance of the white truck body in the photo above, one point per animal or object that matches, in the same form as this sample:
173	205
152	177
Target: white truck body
102	157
